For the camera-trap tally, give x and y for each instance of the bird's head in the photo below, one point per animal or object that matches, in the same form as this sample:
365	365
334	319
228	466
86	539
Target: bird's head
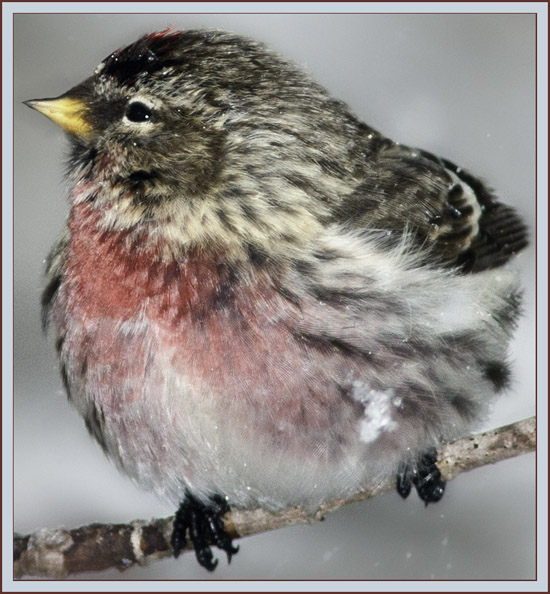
206	136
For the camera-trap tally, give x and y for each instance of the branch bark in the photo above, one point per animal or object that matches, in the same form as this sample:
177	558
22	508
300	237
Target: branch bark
59	553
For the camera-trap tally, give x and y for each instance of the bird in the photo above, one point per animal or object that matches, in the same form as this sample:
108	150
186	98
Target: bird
258	300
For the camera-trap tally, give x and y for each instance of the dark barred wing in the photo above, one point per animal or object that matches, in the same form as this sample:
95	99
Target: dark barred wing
453	215
502	233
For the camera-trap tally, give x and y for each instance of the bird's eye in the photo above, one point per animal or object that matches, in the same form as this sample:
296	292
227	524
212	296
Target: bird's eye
139	112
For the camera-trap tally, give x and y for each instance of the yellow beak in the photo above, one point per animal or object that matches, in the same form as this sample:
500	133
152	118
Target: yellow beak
67	112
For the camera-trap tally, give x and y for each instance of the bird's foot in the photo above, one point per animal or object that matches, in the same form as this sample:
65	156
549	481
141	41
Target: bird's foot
424	475
203	525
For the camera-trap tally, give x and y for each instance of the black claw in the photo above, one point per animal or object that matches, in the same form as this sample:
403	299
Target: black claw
430	486
220	537
404	480
218	532
424	475
181	522
203	524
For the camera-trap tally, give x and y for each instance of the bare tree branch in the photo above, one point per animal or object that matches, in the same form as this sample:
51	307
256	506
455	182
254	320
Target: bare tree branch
58	553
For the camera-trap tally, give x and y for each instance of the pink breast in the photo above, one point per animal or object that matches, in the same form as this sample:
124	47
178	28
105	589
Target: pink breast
226	335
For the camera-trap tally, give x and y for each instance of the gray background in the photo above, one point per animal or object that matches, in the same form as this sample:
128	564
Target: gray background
462	86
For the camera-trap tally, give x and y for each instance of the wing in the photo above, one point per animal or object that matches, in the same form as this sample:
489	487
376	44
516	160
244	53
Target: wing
451	213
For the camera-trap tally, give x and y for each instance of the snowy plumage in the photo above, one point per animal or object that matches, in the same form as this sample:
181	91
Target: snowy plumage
259	296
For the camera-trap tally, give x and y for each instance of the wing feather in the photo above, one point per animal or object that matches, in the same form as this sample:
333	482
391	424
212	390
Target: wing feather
452	214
